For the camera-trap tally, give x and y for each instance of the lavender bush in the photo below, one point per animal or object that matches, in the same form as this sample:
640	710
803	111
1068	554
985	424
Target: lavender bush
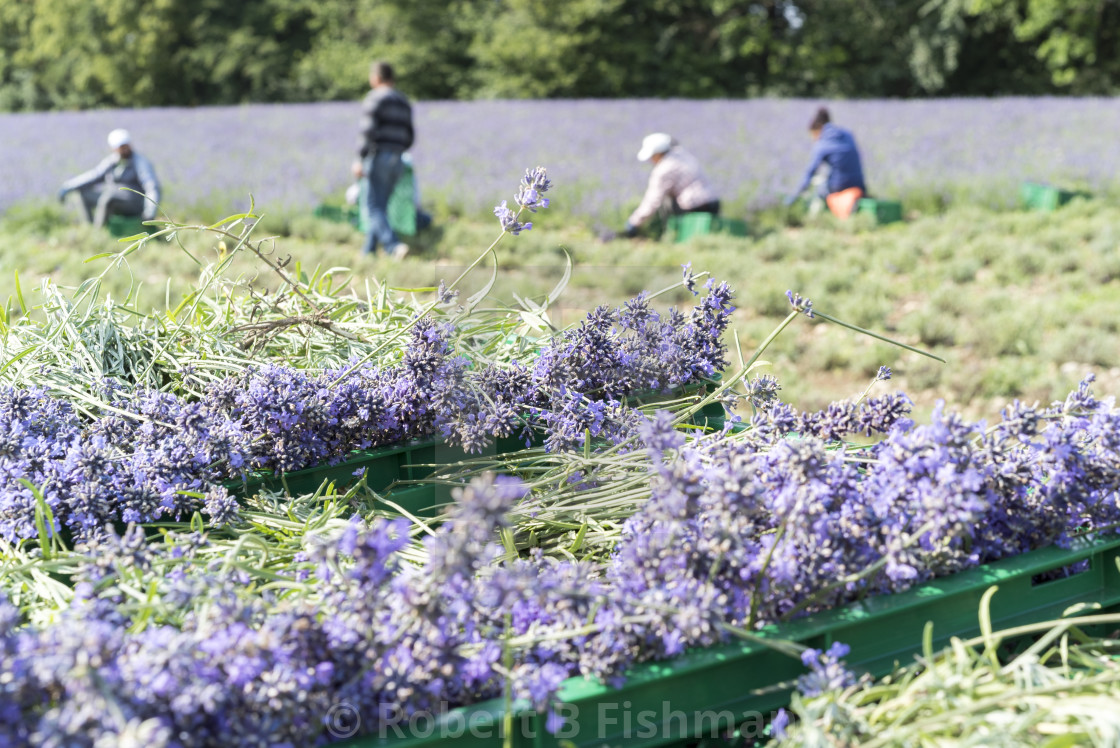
290	157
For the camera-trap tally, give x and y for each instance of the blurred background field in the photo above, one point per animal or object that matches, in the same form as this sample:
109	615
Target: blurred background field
928	153
1020	304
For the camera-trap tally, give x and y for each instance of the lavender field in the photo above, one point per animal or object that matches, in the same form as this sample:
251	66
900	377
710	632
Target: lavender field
289	157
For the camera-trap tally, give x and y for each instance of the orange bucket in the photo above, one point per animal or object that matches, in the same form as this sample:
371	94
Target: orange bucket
842	203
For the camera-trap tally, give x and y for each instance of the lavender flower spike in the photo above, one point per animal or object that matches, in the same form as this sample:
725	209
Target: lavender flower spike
509	221
536	179
800	303
533	185
689	278
445	294
826	670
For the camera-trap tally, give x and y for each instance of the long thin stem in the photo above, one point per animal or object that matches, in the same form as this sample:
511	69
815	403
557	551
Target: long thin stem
416	319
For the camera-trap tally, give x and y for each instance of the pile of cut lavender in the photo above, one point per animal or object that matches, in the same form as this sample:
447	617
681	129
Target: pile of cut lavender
150	453
740	530
283	620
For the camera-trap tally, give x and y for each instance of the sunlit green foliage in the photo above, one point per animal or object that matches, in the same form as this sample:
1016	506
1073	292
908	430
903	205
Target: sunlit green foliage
95	53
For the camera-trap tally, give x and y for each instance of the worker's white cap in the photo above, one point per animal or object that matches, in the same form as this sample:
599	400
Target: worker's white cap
653	144
119	137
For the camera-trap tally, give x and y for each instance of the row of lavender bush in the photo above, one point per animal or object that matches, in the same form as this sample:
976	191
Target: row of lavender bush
290	157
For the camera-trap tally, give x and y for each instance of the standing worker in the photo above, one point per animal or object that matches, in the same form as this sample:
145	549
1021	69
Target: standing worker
386	135
676	183
836	147
123	184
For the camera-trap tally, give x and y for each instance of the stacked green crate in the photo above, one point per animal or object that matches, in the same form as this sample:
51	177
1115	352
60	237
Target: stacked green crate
683	227
402	470
337	213
1044	197
401	209
882	211
122	226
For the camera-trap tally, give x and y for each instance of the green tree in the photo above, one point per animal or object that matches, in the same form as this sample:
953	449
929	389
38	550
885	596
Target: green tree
956	51
18	89
85	53
1078	41
90	53
631	48
426	41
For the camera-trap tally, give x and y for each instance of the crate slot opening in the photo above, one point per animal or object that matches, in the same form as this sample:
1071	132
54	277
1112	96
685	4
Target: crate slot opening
1062	572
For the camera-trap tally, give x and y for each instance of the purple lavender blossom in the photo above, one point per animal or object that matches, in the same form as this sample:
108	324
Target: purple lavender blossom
762	391
659	435
800	303
220	506
689	278
826	671
446	295
534	184
779	724
508	219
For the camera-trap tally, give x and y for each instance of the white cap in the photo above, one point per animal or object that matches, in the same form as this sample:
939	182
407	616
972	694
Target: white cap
119	137
653	144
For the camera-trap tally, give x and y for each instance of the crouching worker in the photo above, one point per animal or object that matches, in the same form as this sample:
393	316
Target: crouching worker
676	183
101	186
835	146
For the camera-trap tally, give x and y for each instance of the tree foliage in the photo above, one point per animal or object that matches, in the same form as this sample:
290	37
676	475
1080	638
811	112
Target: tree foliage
93	53
1078	41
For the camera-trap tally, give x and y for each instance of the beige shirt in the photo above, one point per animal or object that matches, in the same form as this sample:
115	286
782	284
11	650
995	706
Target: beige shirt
676	175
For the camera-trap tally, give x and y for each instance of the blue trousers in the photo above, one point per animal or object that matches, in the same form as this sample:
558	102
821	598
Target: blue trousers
381	172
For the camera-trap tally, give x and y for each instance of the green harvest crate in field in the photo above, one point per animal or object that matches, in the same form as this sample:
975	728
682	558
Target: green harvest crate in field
122	226
676	702
883	211
401	209
337	213
687	225
402	205
1044	197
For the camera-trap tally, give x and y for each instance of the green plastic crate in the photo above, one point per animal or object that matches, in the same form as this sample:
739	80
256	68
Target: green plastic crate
1045	197
669	703
337	213
402	205
401	209
683	227
883	211
383	467
122	226
711	416
417	460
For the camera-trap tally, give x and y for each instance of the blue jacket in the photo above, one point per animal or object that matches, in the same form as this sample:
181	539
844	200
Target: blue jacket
837	148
